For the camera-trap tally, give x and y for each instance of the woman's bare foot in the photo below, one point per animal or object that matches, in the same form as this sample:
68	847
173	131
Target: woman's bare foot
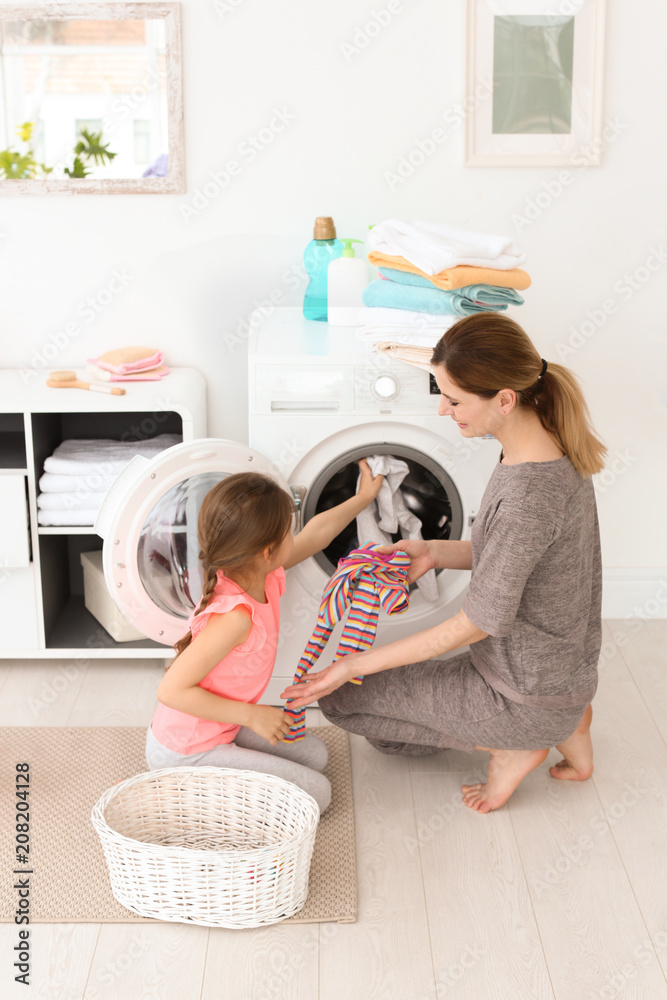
577	751
507	769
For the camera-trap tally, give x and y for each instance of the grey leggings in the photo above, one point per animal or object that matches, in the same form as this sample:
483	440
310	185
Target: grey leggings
299	762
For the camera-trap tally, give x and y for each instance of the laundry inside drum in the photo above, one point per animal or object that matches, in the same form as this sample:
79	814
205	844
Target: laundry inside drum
424	496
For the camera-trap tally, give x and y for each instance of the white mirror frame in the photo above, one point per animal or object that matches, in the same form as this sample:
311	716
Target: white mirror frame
175	182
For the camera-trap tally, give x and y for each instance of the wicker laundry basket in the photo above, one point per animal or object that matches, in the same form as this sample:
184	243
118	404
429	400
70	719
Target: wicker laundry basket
208	845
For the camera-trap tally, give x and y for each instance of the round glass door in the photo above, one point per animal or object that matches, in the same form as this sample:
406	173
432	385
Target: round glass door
168	549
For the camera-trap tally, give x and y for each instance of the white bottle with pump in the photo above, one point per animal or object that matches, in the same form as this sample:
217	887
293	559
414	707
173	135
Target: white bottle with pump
347	277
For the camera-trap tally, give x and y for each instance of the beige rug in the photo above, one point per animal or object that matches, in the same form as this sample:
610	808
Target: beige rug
69	770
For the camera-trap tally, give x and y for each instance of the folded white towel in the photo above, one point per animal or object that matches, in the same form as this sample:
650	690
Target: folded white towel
94	482
379	325
76	500
61	518
388	514
434	248
103	457
404	318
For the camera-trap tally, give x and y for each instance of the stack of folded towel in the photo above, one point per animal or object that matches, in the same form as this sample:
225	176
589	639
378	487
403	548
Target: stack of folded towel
430	276
128	364
79	473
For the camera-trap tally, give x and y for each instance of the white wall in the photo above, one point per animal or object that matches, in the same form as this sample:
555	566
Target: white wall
190	283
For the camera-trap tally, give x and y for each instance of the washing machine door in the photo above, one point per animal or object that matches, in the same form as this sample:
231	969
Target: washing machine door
148	521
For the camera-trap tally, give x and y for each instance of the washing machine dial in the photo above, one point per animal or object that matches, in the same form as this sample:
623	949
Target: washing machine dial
386	386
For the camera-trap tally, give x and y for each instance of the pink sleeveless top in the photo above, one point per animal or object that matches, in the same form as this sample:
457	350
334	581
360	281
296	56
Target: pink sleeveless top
242	675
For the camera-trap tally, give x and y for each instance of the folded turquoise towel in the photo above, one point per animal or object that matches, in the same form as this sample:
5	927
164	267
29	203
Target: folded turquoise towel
458	302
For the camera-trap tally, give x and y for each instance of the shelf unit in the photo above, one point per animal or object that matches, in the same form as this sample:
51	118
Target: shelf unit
42	612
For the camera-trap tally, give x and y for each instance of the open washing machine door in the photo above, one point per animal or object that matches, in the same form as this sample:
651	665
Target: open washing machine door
148	521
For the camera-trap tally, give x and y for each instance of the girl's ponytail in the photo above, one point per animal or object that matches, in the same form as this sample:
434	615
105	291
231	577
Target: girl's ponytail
488	352
210	577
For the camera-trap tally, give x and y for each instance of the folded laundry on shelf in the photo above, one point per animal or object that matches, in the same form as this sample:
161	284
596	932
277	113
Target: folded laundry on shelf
457	277
63	518
433	247
93	482
74	500
139	364
80	472
103	456
389	513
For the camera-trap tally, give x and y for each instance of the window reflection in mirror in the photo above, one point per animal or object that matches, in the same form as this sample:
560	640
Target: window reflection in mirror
77	78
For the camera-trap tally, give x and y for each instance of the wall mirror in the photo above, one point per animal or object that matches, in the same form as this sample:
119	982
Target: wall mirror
91	99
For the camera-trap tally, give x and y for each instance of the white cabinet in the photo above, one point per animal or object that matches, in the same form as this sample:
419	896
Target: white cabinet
42	610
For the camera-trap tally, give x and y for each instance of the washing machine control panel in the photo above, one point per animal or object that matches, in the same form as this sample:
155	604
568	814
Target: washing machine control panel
386	386
390	387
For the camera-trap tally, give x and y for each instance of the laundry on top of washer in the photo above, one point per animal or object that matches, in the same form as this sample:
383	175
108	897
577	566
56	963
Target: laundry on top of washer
401	290
433	247
446	256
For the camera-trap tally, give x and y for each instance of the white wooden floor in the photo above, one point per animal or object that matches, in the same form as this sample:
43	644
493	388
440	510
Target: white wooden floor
560	895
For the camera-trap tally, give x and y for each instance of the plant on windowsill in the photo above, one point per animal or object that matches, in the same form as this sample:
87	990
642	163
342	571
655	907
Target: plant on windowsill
23	165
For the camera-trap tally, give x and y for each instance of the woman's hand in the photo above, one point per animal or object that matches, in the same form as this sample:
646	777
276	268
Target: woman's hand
324	682
369	487
422	556
272	724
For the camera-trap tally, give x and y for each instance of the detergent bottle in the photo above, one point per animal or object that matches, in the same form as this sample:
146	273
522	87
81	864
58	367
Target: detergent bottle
322	249
348	276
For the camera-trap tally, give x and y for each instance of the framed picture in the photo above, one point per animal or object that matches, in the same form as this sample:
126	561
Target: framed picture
533	82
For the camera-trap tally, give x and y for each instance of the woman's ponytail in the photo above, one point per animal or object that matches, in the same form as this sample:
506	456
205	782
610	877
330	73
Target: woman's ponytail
210	577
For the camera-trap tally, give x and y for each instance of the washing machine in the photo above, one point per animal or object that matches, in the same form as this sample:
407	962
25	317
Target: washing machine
319	401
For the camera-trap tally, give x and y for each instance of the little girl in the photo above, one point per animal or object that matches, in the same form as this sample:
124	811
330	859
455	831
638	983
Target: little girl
208	712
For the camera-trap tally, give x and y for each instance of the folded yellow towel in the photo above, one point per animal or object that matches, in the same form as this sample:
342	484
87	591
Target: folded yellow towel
458	277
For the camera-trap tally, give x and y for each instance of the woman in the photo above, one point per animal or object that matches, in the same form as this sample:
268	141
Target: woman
531	615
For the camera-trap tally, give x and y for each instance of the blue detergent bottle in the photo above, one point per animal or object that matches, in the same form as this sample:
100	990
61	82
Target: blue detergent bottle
322	249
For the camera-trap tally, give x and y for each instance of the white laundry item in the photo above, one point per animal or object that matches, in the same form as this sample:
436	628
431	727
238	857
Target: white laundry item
388	514
433	247
81	500
58	518
419	357
405	318
103	456
92	482
381	335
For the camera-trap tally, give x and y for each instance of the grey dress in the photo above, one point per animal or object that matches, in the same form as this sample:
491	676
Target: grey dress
536	589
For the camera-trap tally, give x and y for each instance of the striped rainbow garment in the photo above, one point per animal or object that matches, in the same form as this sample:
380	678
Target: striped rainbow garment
364	581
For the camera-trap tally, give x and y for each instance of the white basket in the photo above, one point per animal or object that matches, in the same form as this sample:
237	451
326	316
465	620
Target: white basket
208	845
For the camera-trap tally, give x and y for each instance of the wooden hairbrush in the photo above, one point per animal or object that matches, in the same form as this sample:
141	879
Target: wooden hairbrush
68	380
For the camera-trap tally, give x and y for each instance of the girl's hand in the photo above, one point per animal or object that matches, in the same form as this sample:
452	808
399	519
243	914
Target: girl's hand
422	557
369	487
272	724
324	682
